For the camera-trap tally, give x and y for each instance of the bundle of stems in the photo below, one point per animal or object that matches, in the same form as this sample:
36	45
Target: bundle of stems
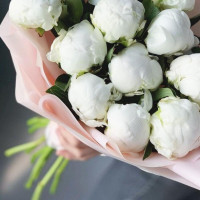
39	158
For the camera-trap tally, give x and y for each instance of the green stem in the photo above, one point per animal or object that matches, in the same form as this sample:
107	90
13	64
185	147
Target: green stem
35	127
36	123
38	191
36	120
37	154
39	166
57	176
24	147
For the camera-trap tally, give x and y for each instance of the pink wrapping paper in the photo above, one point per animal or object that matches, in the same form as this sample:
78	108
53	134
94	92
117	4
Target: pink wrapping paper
35	74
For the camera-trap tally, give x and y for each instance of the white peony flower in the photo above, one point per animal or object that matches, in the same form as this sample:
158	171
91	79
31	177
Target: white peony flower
133	70
128	126
79	49
184	74
89	97
118	19
175	127
185	5
35	13
170	33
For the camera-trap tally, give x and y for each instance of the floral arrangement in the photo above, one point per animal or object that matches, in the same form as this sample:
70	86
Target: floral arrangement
122	76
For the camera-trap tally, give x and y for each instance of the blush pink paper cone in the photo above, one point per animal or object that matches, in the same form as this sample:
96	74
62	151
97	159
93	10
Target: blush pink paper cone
193	13
35	74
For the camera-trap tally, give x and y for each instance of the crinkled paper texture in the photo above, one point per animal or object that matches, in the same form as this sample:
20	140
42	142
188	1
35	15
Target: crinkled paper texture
35	74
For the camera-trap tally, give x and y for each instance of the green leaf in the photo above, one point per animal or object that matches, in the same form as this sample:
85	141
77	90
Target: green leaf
148	150
195	20
87	10
64	12
63	96
162	93
151	10
110	54
75	10
60	26
63	82
196	50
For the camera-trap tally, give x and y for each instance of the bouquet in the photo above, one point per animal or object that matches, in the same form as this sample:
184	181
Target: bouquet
123	76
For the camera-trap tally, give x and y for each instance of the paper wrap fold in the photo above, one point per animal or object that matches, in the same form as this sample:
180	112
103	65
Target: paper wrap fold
35	74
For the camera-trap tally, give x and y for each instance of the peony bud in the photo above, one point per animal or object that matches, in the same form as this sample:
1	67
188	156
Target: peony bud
184	74
78	49
35	13
175	127
89	97
133	70
170	33
118	19
128	126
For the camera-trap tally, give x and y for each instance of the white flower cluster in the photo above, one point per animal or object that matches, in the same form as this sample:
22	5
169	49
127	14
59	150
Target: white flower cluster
117	59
